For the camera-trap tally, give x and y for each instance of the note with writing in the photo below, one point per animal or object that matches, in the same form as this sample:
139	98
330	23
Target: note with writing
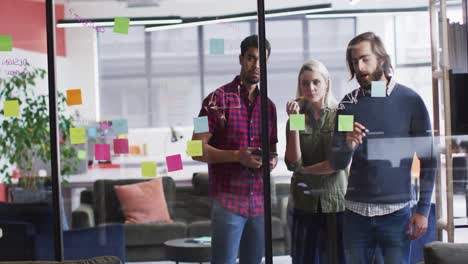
174	163
11	108
74	97
345	123
120	126
148	169
200	124
77	135
121	146
102	151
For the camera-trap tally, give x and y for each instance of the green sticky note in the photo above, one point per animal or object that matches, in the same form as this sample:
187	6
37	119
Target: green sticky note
297	122
6	43
345	123
82	155
194	148
217	46
11	108
77	135
121	25
148	169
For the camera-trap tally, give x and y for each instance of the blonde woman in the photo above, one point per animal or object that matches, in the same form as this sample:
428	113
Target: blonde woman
317	190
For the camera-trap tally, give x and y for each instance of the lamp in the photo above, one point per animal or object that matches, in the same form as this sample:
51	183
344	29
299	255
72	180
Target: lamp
191	22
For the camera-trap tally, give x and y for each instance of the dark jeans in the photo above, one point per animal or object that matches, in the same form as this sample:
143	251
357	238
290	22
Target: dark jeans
317	238
363	234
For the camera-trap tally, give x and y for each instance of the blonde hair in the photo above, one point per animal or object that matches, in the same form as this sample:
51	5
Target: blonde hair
328	101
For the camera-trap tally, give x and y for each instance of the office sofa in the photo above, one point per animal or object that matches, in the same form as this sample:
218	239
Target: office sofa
188	206
95	260
445	253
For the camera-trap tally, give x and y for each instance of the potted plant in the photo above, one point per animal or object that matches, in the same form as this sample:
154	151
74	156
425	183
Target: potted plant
25	140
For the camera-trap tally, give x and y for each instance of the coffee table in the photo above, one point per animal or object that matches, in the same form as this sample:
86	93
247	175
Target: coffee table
186	250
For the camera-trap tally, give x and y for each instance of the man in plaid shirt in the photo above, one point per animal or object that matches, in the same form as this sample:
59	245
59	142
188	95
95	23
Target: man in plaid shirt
235	174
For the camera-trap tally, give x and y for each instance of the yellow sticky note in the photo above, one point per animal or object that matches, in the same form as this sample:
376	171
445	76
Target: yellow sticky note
74	97
77	135
415	166
11	108
148	169
82	155
195	148
345	123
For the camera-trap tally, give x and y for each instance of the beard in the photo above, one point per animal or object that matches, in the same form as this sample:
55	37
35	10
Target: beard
374	76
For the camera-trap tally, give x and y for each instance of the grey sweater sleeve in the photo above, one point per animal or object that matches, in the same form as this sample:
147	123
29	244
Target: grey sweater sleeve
340	155
421	128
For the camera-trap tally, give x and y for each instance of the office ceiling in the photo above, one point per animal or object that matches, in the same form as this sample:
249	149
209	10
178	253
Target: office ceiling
193	8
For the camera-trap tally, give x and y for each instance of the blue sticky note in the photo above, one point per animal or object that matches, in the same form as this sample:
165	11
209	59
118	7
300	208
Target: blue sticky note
120	126
201	124
379	89
92	132
216	46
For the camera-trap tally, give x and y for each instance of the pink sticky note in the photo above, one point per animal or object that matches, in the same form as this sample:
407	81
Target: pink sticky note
121	146
174	163
104	126
102	152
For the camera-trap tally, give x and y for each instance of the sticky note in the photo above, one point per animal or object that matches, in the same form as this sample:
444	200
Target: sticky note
121	136
77	135
297	122
216	46
121	25
120	126
74	97
195	148
82	155
345	123
6	43
92	132
415	166
200	124
121	146
148	169
104	126
378	89
11	108
174	163
102	151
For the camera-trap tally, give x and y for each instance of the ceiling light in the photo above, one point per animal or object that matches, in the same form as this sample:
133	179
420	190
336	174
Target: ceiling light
70	23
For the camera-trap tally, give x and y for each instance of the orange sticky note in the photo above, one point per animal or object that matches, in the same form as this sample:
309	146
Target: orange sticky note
415	166
74	97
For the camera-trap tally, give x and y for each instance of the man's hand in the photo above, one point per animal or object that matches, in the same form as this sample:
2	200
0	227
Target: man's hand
417	223
248	160
273	162
353	139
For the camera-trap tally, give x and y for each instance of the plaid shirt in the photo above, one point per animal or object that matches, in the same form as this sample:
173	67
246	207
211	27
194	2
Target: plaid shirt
235	123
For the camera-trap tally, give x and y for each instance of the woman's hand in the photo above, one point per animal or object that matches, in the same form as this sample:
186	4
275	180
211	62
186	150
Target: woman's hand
292	107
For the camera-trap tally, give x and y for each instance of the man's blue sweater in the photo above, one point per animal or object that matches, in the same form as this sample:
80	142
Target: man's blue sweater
400	117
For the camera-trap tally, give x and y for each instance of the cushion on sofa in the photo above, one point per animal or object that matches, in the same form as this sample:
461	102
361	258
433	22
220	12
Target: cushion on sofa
153	233
445	253
143	202
107	207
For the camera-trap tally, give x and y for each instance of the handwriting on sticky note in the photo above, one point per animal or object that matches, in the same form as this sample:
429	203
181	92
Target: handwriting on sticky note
82	155
148	169
297	122
195	148
217	46
6	43
102	151
121	146
174	163
378	89
345	123
77	135
74	97
120	126
121	25
200	124
11	108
